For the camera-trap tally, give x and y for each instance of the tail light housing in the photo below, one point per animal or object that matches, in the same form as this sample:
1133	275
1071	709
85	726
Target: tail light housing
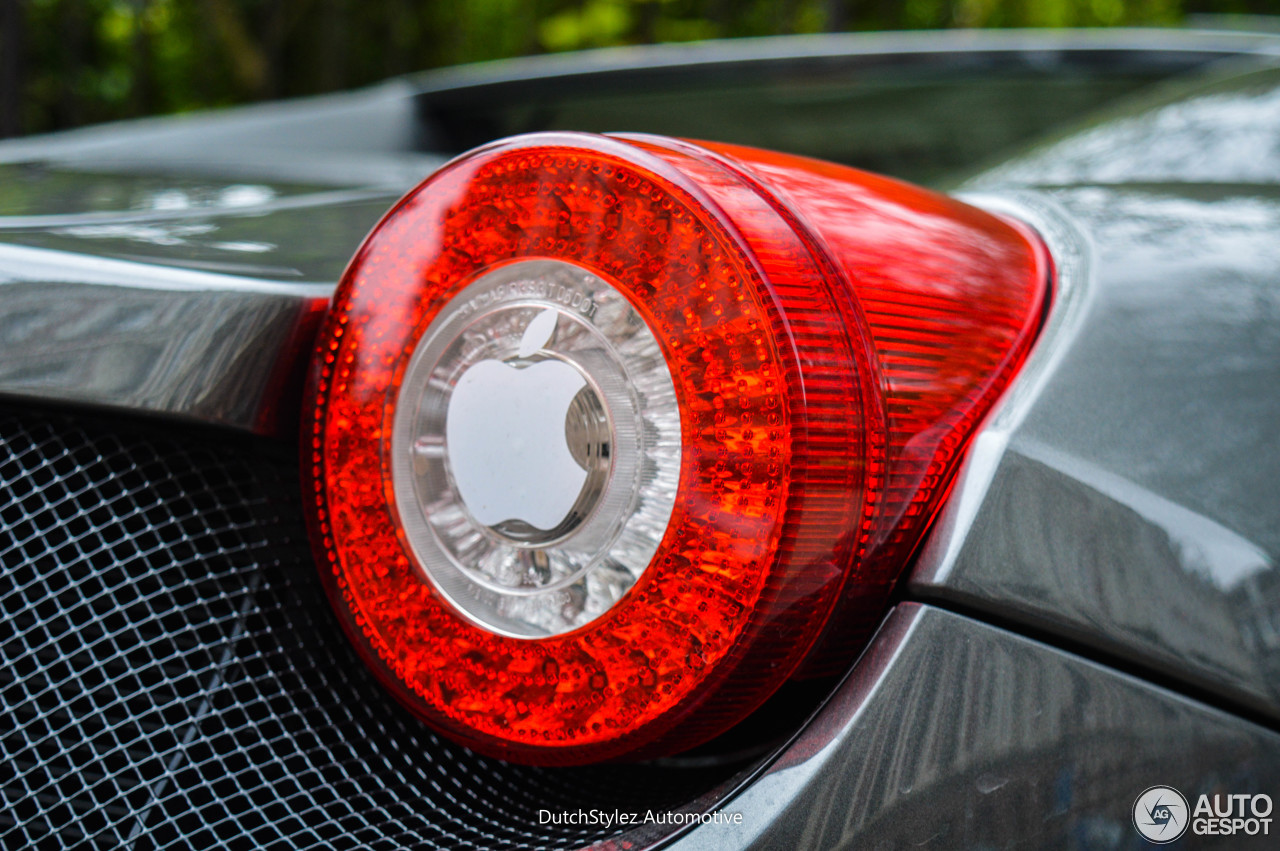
611	436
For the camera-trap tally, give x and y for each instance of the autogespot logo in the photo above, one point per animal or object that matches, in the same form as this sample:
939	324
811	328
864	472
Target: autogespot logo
1160	814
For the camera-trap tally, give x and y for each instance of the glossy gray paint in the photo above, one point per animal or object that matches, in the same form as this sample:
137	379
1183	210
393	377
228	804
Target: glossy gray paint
394	133
617	68
1215	128
246	198
366	137
190	304
117	334
838	97
1133	509
954	734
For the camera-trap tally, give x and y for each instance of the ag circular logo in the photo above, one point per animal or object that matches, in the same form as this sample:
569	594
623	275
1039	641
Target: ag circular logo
1161	815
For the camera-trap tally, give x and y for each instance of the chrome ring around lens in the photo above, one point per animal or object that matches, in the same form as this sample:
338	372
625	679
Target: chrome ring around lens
535	448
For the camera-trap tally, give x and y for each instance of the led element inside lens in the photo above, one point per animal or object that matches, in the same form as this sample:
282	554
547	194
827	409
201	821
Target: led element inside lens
535	448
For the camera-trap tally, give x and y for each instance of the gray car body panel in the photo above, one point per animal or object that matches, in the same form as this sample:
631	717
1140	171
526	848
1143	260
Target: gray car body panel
1134	509
951	733
224	231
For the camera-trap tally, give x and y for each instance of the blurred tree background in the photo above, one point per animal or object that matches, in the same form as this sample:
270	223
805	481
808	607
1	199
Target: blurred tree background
65	63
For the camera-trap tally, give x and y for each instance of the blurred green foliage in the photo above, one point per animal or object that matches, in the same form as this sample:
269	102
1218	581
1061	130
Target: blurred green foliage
65	63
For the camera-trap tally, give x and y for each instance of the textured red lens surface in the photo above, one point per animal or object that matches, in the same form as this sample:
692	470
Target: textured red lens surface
827	377
768	372
953	297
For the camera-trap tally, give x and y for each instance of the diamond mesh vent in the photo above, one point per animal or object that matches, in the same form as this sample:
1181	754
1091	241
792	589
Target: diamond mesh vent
172	676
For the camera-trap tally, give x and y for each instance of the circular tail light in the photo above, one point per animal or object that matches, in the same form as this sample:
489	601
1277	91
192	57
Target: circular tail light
608	432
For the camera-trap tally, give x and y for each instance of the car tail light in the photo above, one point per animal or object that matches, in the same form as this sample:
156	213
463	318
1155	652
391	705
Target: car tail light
608	432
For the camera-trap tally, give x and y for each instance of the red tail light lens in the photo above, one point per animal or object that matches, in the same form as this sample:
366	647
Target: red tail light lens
608	431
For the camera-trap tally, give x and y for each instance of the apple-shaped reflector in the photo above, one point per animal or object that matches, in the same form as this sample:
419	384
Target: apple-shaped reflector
608	432
535	448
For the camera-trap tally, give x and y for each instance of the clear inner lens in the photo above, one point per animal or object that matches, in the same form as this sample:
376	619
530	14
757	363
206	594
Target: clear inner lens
535	449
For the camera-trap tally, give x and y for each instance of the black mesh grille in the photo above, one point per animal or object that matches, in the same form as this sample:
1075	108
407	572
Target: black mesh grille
173	678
